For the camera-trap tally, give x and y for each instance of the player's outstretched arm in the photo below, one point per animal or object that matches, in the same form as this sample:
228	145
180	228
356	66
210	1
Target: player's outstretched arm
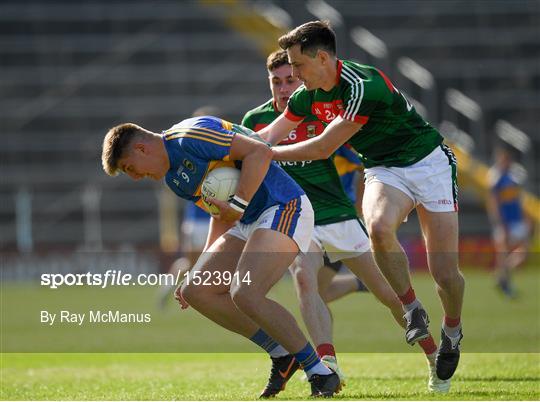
278	130
323	146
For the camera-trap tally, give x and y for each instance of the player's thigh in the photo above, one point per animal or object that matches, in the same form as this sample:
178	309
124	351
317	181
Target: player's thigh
266	256
440	230
518	236
385	206
216	264
441	237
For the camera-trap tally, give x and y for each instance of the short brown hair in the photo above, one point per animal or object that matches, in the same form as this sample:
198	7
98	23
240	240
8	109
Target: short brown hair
116	142
277	59
311	36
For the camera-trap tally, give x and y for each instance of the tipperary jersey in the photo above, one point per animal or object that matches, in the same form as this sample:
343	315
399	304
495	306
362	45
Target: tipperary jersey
193	213
198	145
507	191
319	179
347	164
392	133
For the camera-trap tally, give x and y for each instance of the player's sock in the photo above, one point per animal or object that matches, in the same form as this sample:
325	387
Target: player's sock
326	349
452	326
409	300
431	358
428	346
310	362
268	343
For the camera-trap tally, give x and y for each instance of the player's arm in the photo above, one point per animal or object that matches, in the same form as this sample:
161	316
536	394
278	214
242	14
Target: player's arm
278	130
492	204
321	147
256	157
497	227
360	187
492	209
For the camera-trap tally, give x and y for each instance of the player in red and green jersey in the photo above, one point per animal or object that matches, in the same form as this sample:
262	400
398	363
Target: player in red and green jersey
407	167
338	231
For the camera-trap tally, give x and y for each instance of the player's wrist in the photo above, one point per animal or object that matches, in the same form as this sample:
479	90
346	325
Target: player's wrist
238	204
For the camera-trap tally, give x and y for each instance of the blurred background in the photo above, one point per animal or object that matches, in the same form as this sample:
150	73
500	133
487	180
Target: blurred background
71	70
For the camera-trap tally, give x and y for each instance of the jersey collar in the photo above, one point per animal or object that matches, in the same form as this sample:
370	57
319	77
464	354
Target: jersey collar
338	75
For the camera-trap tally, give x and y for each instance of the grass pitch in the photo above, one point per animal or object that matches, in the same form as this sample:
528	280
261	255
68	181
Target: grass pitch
501	359
241	376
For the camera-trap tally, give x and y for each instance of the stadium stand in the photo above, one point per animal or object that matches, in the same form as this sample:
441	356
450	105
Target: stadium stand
72	70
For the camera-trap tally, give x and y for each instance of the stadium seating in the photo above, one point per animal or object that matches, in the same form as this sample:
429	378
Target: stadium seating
70	71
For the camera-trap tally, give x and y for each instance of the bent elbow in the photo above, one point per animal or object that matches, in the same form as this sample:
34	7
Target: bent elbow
265	152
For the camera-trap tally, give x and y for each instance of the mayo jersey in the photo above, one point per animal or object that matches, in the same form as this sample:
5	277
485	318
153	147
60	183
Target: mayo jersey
198	145
319	179
507	191
392	133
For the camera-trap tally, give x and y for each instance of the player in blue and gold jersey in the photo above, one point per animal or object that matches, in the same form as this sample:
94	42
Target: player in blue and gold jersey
511	230
351	172
254	239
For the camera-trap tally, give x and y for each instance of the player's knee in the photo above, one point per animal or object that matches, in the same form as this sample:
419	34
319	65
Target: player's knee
305	284
195	295
448	278
189	294
381	232
243	298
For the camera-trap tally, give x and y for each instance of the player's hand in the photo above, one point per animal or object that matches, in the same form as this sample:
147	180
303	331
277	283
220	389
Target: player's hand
226	213
178	296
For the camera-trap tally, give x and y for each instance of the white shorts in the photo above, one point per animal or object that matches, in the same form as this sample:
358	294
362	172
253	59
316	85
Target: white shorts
294	219
431	182
517	231
342	240
196	231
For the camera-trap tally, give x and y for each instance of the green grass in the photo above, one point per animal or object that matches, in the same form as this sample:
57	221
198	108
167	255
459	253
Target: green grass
240	377
370	346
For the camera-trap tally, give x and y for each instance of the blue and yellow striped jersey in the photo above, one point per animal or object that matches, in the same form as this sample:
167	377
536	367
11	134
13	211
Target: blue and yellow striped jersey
347	164
507	191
